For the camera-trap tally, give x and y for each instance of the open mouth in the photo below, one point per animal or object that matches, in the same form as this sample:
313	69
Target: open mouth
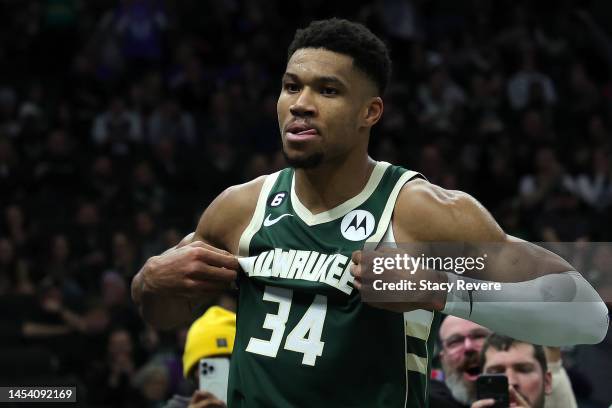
472	372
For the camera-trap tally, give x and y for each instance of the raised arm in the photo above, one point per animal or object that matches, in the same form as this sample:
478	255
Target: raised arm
169	287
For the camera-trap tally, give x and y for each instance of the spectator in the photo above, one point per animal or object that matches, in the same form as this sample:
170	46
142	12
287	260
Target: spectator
595	188
110	380
104	187
528	86
89	245
14	272
147	193
124	257
117	129
461	357
147	236
152	383
441	100
529	381
9	125
170	121
535	189
18	227
12	178
212	335
141	23
461	342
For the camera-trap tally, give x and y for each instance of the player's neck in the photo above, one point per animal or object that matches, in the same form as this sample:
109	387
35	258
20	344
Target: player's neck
331	184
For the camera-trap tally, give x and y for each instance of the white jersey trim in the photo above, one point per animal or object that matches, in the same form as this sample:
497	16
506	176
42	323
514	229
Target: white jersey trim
258	215
340	210
385	218
422	318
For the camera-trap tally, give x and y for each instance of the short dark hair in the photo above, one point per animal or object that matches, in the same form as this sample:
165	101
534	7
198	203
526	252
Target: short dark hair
503	343
369	53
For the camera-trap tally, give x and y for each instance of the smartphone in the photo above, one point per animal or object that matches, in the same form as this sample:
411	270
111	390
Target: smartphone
493	386
214	376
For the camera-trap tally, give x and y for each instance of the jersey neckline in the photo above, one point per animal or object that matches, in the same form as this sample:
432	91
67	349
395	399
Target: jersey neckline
341	209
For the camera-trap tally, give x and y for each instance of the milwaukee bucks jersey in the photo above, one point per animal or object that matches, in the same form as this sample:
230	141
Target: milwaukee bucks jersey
304	338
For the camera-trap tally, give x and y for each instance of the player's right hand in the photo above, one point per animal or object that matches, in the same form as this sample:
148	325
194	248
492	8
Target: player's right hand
190	270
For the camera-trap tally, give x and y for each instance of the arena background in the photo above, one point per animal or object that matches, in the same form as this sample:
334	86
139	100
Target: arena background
121	120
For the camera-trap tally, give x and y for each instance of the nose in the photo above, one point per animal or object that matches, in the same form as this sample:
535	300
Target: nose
304	104
512	380
469	344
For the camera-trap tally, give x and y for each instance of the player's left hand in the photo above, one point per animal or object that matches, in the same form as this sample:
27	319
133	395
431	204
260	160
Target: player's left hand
399	301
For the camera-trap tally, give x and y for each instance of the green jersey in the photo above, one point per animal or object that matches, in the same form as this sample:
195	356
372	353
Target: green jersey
304	338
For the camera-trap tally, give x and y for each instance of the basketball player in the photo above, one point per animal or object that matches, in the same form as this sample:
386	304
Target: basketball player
304	336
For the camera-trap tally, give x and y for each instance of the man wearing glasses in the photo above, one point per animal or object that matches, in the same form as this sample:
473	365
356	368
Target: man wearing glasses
460	353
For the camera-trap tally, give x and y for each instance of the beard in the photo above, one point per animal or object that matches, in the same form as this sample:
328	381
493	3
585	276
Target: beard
308	162
539	402
462	392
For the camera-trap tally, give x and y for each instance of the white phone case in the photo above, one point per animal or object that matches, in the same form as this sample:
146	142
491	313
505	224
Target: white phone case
214	376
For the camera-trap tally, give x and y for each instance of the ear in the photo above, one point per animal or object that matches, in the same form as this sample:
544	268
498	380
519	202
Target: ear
548	383
373	112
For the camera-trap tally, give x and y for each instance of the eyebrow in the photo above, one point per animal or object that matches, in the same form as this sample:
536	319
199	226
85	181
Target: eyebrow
327	79
520	364
470	333
496	367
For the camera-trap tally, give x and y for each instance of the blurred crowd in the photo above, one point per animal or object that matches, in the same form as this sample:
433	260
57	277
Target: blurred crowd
121	120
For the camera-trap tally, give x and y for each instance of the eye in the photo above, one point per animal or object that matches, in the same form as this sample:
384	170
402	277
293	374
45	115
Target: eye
291	87
328	90
454	342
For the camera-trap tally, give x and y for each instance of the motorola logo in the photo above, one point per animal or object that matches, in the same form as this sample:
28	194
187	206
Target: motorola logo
357	225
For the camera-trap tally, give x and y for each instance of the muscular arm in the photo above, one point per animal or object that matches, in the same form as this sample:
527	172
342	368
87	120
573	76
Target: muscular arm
170	286
428	213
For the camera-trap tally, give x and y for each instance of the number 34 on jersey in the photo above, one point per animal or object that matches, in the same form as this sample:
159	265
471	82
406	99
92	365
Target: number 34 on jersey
305	338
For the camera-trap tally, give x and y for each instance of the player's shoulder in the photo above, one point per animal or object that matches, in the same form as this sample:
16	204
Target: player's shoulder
429	212
420	195
229	213
243	194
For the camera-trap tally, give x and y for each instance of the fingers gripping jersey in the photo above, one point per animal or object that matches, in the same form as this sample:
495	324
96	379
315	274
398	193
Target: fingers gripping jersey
304	338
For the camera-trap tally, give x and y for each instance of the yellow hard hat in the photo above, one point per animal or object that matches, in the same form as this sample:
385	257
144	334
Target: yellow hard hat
212	334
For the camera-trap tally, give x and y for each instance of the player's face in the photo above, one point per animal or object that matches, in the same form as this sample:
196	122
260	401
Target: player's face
524	372
323	107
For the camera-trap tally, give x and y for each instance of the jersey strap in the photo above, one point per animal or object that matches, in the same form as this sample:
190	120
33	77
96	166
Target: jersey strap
258	215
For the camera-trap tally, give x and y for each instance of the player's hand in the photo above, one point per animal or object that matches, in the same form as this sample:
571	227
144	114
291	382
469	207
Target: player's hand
190	270
398	301
203	399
